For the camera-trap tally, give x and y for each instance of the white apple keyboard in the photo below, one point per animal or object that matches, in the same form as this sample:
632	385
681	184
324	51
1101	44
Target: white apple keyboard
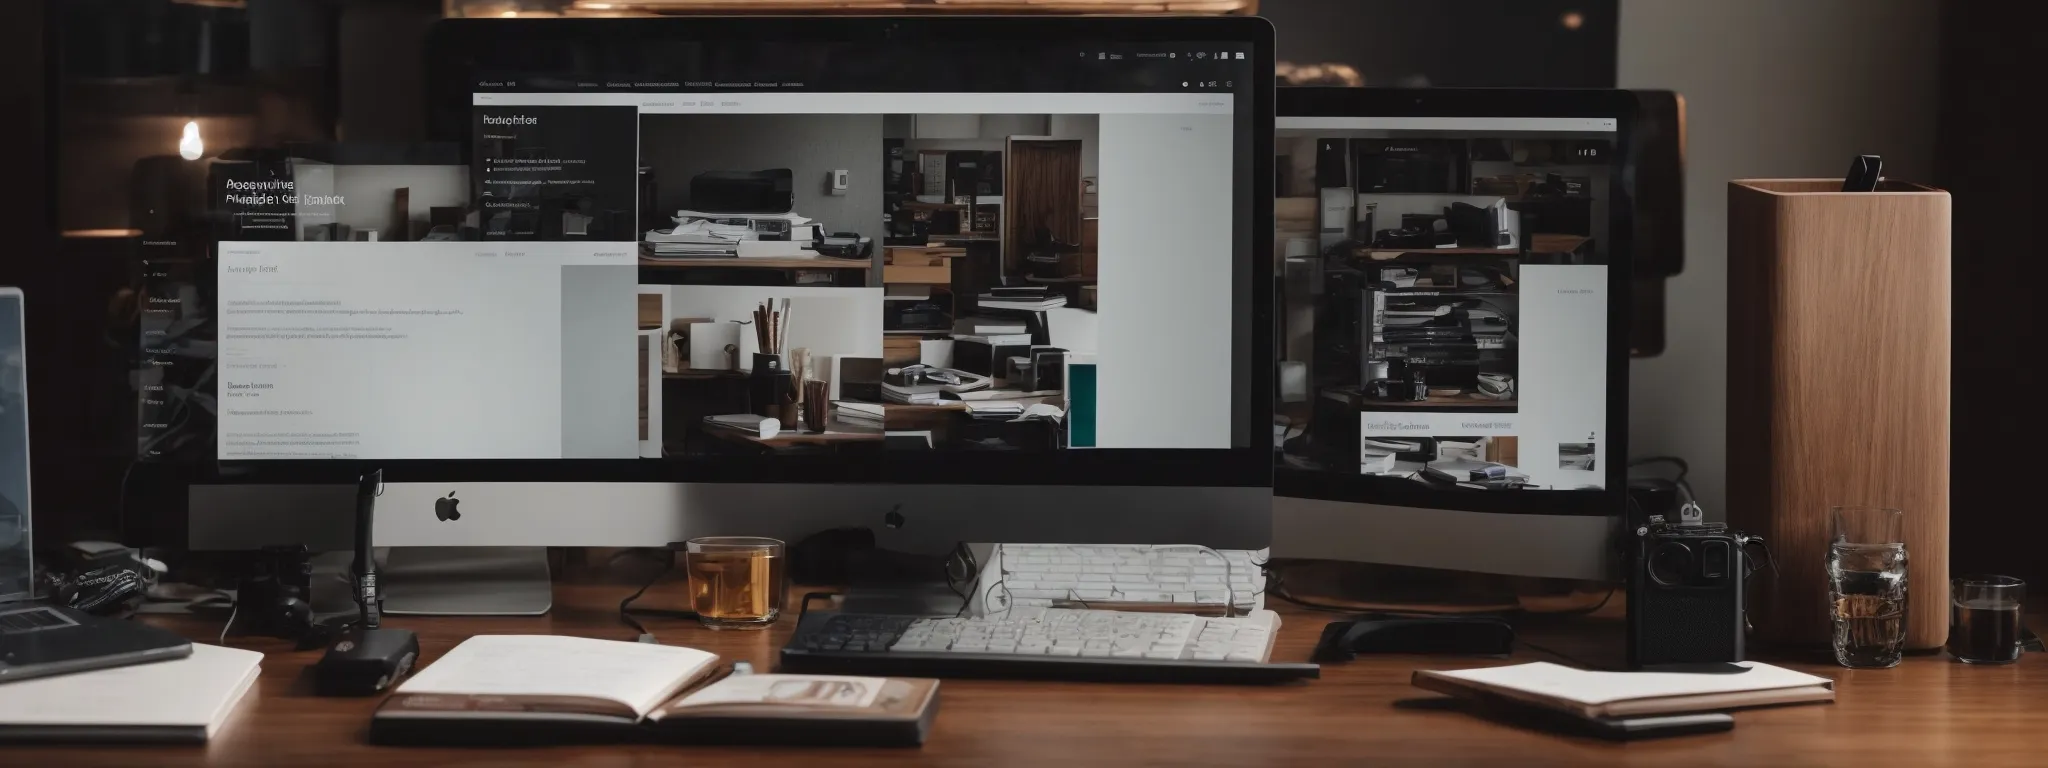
1122	577
1098	634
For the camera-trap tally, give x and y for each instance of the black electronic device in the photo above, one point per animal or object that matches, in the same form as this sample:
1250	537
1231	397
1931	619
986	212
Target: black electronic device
366	658
1387	633
102	578
769	191
1685	593
832	642
40	640
274	599
365	662
1864	173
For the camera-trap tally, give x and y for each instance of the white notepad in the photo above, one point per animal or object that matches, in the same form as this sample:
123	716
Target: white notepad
1625	694
184	700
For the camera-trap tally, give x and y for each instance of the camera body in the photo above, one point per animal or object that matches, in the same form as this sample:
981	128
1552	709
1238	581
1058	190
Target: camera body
1685	594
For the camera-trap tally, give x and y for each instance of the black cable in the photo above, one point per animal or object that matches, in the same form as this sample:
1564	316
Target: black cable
803	606
627	611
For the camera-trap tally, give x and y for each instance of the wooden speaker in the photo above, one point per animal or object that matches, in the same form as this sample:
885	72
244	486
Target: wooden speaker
1838	387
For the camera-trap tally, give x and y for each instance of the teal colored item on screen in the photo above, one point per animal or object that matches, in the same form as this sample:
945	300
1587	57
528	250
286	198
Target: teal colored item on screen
1081	405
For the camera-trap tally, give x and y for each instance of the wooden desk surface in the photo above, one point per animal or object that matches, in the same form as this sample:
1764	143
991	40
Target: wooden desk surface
1928	711
836	431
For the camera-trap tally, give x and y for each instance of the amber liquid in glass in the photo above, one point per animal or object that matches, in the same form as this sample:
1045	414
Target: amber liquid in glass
734	589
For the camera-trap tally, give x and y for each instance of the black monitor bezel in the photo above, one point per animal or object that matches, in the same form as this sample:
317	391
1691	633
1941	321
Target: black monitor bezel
458	49
1619	105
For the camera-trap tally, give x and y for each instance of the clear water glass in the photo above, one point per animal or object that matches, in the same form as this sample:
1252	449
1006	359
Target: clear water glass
1867	586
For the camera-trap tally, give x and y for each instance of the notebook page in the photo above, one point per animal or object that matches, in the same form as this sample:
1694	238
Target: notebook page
638	675
1595	688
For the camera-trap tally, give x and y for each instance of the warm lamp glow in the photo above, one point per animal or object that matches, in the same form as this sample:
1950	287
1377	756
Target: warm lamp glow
189	145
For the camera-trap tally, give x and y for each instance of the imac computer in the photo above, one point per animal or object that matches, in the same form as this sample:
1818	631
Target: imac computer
1452	350
956	280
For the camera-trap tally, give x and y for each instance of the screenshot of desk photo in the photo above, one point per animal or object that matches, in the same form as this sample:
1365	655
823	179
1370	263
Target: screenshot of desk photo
1007	364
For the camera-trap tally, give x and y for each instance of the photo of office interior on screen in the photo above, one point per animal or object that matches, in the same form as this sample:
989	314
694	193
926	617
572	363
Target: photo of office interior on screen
810	273
1444	303
932	276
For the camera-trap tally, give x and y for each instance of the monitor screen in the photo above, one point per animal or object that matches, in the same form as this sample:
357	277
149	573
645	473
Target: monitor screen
1445	305
16	570
723	250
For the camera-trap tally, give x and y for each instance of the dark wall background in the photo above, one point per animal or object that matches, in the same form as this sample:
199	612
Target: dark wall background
1987	156
1453	43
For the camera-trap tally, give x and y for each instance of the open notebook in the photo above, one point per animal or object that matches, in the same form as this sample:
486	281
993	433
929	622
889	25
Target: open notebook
181	700
545	688
1590	694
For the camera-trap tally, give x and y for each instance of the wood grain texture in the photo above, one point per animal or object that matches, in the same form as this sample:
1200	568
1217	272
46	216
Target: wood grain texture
1838	386
1927	711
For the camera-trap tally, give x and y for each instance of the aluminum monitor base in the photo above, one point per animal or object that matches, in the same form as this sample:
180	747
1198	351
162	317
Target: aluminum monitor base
467	581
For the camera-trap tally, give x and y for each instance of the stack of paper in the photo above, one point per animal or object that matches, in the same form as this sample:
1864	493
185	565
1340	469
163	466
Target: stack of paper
184	700
1024	298
1590	694
859	413
991	409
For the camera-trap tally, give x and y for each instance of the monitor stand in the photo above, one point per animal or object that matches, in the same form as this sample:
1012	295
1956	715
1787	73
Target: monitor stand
467	581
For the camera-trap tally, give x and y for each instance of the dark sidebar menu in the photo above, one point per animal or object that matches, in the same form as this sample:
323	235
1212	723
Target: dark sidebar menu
174	414
556	173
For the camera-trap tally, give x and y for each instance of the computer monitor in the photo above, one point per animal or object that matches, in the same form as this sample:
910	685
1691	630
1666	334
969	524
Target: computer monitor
17	571
1453	349
1035	247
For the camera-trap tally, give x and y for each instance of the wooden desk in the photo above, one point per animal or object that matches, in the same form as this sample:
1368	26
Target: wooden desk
836	432
1928	711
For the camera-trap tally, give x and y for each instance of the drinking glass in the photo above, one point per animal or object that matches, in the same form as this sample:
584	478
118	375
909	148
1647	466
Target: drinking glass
1984	619
736	582
1867	586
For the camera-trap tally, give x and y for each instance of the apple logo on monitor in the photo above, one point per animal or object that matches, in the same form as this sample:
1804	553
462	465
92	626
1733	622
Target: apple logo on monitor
445	508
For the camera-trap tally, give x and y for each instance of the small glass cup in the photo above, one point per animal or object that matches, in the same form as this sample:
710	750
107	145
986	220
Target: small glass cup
1867	586
736	582
1984	619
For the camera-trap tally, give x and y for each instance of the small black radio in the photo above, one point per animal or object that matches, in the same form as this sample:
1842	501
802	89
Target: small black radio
1685	593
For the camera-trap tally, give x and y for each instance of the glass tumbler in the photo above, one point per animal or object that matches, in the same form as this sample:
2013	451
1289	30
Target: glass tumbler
1984	619
1867	586
736	582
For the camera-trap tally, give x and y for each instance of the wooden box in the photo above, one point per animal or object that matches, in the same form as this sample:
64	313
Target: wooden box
1838	387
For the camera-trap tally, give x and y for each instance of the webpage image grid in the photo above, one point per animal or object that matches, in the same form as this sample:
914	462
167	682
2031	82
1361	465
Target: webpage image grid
620	276
1443	301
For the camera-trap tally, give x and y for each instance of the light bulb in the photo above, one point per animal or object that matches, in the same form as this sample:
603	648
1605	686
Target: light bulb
189	145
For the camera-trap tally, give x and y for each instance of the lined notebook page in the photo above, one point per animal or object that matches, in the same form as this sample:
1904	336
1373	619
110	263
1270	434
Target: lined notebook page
1594	688
638	675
